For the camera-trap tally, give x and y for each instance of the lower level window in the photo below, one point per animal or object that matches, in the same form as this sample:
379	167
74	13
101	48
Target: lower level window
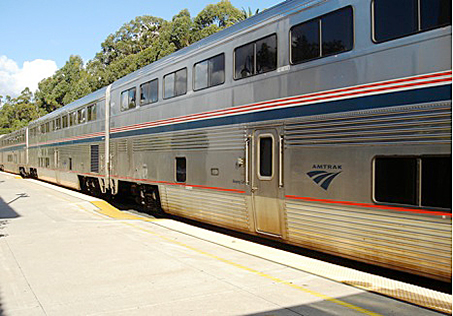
181	170
417	181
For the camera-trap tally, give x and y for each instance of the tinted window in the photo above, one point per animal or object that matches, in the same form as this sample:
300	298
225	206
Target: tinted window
81	115
91	112
395	180
244	61
217	70
392	21
58	123
408	17
418	181
65	121
181	173
128	99
149	92
181	82
169	86
210	72
436	182
72	118
305	42
337	36
266	54
201	75
435	13
266	155
175	84
337	32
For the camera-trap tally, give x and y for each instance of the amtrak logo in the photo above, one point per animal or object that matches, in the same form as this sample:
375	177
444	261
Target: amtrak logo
322	177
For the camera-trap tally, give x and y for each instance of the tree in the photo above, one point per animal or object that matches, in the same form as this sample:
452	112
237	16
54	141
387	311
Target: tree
248	13
18	112
136	44
216	17
67	85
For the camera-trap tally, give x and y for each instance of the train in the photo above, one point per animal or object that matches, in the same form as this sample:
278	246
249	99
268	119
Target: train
324	124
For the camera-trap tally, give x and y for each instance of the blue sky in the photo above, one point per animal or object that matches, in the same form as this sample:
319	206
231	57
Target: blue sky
47	31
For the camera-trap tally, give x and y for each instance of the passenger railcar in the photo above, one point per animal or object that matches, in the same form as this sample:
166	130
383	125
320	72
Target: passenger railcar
321	123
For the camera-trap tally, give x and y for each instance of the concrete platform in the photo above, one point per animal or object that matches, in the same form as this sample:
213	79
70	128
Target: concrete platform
63	253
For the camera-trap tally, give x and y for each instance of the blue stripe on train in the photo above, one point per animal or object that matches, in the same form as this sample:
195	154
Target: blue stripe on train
425	95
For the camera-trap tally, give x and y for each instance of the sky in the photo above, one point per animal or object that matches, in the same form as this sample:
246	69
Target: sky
38	36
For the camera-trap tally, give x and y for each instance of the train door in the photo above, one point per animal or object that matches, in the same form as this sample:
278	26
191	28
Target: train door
266	181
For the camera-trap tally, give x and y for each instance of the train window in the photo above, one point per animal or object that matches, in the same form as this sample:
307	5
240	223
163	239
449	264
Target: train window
72	118
57	123
266	155
81	115
436	182
91	113
305	42
175	83
128	99
181	169
266	54
408	17
244	61
149	92
64	120
395	180
210	72
255	58
435	13
326	35
337	32
393	21
417	181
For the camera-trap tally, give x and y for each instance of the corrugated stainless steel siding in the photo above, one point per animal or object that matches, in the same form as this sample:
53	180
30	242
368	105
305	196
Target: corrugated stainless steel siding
212	139
221	208
408	124
407	241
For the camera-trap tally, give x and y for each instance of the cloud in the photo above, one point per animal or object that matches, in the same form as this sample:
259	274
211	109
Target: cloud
13	79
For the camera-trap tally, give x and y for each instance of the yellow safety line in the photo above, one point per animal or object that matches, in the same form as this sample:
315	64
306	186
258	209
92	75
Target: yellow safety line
107	209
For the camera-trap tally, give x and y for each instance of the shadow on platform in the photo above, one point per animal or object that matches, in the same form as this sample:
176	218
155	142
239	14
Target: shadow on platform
7	212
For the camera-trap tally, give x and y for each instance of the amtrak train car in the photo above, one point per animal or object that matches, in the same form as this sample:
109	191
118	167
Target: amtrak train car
320	123
13	152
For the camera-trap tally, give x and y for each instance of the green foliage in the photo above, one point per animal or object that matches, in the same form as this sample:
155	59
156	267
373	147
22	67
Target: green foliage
136	44
18	112
67	85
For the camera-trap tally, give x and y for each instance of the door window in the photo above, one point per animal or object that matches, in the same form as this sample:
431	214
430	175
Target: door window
266	157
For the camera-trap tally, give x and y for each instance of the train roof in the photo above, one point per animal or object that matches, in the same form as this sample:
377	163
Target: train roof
267	16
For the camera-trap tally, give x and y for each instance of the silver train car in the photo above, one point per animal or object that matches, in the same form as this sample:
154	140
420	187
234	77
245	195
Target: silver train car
321	123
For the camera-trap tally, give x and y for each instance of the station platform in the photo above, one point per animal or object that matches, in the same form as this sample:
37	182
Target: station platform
66	253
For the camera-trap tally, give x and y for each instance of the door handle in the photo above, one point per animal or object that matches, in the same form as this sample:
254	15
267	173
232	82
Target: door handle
254	189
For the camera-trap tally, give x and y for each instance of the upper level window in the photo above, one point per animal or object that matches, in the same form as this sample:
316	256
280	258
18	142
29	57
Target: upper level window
256	57
72	118
326	35
408	17
210	72
65	121
91	112
175	84
149	92
58	123
81	115
128	98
